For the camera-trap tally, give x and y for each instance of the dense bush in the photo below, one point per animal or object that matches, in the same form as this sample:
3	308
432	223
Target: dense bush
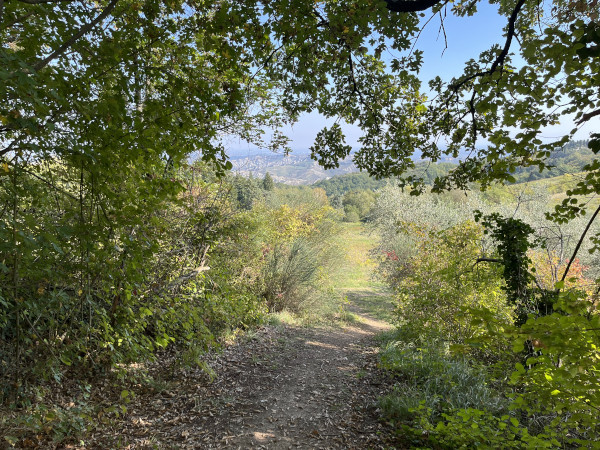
105	280
440	284
100	280
456	285
299	252
358	205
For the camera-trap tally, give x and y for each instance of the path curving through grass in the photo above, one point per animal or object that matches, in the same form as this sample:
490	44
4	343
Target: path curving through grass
283	386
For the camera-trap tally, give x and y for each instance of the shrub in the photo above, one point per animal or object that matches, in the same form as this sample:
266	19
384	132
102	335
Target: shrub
439	381
475	428
351	214
439	284
298	251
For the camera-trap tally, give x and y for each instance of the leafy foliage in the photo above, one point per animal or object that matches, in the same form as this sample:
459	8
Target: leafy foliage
298	254
358	204
106	234
554	335
512	236
430	377
440	284
337	186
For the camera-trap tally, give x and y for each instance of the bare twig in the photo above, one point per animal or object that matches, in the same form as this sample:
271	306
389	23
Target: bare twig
443	30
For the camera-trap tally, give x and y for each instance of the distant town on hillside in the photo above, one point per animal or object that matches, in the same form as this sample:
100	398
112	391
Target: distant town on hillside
299	169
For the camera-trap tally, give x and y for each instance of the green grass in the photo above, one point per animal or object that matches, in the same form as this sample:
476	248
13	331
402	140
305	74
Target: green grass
357	266
332	313
355	277
352	280
377	303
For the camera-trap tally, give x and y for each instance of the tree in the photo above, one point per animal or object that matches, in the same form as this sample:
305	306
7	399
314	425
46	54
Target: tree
122	69
245	191
267	183
359	203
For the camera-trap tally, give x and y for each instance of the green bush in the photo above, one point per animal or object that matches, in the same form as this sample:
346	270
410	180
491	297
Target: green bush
359	203
443	402
439	284
351	214
441	382
296	274
475	428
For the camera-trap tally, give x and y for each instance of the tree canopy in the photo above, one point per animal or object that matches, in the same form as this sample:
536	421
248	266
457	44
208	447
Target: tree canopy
108	87
124	83
167	78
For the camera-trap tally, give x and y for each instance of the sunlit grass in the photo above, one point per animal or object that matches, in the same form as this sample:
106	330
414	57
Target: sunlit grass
355	276
284	318
377	302
353	280
357	265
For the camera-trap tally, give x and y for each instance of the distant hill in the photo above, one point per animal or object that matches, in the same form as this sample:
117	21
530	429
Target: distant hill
569	160
300	169
292	169
341	184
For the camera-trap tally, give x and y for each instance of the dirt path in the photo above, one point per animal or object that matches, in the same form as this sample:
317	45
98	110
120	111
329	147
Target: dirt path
287	387
278	388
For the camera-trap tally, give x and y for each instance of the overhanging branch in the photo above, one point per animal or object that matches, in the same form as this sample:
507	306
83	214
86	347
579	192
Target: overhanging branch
499	61
589	224
585	117
410	5
82	31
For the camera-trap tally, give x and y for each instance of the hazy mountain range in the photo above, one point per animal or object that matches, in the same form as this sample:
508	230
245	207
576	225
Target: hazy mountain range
298	168
295	169
292	169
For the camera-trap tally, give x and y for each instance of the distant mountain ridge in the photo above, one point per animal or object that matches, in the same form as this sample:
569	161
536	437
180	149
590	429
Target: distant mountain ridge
300	169
291	169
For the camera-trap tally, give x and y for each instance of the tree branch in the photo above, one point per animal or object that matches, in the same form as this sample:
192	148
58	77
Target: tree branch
579	243
7	149
494	260
15	21
82	31
188	276
39	2
410	5
509	35
588	116
499	61
49	183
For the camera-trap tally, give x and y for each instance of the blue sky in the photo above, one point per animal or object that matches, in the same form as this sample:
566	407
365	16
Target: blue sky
466	38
